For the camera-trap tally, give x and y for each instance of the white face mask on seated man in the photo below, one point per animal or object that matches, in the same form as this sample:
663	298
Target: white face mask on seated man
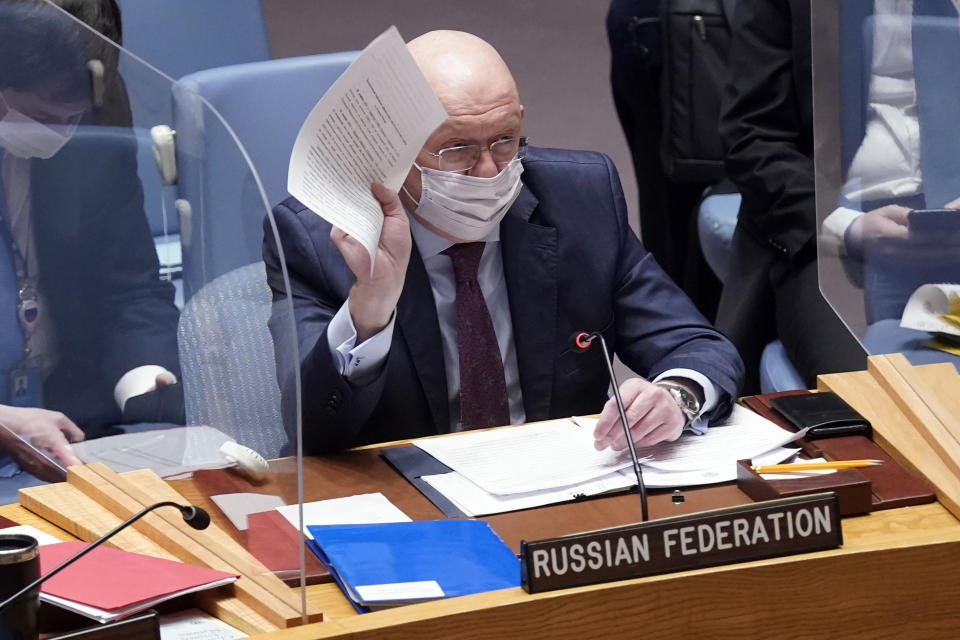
467	207
25	137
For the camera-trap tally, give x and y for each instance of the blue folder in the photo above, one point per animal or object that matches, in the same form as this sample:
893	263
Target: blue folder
461	556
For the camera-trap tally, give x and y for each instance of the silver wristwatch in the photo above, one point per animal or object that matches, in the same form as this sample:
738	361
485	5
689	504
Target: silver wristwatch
688	403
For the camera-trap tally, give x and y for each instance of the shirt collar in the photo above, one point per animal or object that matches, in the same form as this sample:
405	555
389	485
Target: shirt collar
430	244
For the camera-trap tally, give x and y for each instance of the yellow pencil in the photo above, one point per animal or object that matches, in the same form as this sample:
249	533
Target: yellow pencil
814	466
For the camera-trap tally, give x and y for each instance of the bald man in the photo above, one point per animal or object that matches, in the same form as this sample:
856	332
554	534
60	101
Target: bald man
491	256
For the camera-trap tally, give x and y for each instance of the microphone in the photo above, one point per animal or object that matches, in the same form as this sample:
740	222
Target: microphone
193	516
581	341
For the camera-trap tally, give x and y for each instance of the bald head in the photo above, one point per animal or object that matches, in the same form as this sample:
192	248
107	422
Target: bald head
478	92
466	73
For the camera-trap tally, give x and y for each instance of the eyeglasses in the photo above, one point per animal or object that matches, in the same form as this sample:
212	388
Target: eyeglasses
464	157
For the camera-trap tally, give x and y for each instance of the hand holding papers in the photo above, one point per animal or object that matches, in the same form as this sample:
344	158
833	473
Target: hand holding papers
368	127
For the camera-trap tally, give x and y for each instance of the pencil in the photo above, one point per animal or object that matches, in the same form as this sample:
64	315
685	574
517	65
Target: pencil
814	466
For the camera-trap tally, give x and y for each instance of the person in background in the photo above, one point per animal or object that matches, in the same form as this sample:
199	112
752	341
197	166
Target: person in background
87	328
476	290
772	289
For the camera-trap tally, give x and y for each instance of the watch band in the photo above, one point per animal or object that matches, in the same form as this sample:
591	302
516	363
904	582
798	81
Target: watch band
687	402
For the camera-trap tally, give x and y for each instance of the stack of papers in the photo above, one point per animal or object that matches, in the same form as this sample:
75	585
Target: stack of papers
936	308
170	453
387	565
492	470
109	584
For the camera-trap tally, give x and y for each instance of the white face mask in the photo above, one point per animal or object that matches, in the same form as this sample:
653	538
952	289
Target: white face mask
467	207
24	137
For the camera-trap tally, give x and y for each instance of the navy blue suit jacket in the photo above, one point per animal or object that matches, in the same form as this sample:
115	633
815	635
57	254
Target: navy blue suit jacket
99	271
571	263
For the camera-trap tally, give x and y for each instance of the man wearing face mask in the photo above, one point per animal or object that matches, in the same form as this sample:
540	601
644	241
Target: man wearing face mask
87	328
490	257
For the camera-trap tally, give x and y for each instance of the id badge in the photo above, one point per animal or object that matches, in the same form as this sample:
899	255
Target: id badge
24	387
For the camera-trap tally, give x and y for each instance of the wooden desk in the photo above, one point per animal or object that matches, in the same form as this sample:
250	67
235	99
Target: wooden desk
896	576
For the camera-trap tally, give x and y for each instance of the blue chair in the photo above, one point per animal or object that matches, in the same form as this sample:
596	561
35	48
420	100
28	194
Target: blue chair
716	221
178	37
226	355
265	103
182	36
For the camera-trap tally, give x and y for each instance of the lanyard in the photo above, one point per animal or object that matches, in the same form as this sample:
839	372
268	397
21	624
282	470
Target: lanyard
28	307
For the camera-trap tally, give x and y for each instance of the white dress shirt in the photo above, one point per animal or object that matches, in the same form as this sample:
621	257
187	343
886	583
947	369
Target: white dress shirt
887	163
359	362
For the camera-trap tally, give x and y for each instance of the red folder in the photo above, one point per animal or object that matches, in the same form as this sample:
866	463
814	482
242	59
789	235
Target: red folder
120	582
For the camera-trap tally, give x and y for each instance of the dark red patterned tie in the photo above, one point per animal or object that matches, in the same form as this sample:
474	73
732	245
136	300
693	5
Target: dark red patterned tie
483	391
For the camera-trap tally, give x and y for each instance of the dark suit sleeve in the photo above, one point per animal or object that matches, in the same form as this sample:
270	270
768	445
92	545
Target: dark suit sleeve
765	122
334	410
138	319
657	326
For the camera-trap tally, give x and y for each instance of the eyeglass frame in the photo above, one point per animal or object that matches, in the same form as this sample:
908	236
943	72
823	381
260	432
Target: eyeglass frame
522	143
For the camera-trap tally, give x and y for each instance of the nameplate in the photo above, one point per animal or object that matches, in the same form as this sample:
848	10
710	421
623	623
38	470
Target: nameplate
704	539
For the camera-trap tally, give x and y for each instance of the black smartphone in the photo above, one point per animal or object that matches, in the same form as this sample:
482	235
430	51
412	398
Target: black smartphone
933	220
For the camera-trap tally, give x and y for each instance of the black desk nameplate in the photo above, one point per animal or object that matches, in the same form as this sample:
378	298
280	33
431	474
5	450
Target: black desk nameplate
708	538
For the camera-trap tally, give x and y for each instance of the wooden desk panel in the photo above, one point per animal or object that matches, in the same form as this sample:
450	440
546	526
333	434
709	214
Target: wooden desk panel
895	577
365	471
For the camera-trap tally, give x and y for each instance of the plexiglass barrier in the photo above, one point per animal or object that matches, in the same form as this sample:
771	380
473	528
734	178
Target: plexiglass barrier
111	323
886	93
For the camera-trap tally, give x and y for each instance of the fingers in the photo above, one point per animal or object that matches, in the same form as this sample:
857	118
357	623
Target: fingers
388	199
166	379
608	425
953	204
896	213
65	425
64	452
652	414
354	253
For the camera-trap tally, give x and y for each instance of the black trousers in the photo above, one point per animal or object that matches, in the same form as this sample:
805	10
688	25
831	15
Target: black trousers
767	296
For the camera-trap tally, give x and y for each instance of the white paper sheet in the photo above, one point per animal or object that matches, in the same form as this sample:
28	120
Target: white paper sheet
548	462
530	457
368	126
366	508
237	506
744	434
925	307
474	501
193	624
168	452
41	537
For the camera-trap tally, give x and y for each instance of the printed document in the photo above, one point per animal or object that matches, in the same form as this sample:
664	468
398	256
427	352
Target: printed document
530	457
368	126
567	466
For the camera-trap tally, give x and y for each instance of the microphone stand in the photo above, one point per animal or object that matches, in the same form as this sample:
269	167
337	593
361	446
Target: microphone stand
194	516
641	487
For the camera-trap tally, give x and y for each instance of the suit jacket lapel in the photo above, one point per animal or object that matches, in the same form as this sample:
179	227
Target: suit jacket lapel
530	269
417	318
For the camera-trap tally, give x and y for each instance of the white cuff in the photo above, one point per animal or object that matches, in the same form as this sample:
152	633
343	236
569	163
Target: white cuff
355	361
835	227
137	381
699	424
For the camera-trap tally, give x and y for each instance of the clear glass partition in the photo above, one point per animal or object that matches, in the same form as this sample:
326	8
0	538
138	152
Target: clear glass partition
886	92
129	331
